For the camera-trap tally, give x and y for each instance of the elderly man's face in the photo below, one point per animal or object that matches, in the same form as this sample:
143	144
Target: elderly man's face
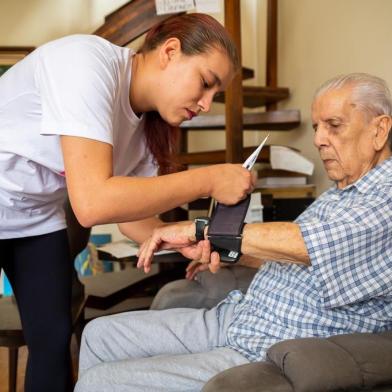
343	136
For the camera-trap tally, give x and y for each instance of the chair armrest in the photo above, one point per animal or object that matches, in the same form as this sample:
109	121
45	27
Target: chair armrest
343	362
352	361
252	377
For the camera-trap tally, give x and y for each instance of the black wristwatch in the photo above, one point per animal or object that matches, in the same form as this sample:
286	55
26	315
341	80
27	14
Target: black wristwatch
225	230
201	222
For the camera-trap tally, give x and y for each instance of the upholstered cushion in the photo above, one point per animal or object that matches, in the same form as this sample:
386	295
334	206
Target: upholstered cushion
353	361
253	377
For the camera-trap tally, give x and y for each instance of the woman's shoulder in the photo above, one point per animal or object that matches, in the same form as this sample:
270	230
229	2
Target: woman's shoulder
84	43
84	51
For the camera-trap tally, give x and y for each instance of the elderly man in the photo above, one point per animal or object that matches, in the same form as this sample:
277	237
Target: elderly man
329	272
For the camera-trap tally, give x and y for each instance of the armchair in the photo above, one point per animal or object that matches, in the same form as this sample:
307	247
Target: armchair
352	362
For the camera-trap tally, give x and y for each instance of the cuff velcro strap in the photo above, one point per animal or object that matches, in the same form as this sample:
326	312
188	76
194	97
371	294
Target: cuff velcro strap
229	248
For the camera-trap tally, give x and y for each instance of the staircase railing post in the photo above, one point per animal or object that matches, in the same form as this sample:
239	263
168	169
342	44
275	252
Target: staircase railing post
234	98
271	78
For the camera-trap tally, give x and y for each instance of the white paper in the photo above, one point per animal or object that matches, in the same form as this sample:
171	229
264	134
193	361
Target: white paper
125	248
255	210
208	6
172	6
285	158
272	181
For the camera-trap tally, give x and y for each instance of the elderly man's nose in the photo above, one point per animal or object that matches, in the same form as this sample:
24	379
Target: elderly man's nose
320	137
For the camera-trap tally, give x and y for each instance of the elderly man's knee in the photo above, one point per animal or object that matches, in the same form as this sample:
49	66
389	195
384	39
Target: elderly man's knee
179	294
94	330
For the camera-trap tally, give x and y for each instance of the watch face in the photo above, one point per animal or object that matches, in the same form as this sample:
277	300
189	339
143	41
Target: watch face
228	220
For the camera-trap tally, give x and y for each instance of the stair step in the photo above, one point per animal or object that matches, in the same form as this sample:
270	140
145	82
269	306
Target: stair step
219	156
247	73
281	120
255	96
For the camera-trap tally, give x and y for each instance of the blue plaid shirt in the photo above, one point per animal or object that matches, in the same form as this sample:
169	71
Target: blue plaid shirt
347	288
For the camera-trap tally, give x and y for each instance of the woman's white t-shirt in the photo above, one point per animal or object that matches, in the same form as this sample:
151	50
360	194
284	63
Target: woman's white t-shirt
77	86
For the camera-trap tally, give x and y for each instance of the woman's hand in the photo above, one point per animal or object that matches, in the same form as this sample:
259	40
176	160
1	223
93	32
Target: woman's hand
230	183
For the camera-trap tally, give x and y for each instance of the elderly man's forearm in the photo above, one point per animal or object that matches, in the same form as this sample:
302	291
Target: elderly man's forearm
276	241
251	262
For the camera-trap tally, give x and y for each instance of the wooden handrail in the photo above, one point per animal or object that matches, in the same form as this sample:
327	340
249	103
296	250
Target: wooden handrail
130	21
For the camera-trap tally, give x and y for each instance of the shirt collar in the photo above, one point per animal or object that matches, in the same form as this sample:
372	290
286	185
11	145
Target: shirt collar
379	174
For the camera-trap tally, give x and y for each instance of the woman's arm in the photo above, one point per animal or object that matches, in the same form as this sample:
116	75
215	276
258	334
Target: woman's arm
99	197
139	231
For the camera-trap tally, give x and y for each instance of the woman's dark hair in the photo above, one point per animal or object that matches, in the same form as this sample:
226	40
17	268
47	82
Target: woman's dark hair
197	33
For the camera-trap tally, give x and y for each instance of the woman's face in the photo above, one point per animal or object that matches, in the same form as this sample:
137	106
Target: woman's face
188	83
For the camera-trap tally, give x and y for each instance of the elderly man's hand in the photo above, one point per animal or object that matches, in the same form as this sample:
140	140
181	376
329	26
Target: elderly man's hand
205	260
169	236
181	237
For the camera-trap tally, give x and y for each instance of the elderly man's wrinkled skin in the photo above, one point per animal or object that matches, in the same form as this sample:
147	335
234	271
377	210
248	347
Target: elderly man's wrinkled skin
350	142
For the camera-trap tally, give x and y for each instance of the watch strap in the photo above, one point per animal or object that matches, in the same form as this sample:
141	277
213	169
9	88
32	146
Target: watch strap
200	224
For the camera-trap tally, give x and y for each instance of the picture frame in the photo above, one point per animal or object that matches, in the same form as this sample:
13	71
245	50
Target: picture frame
10	55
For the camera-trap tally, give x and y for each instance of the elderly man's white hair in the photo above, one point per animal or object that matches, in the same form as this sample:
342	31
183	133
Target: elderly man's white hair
370	93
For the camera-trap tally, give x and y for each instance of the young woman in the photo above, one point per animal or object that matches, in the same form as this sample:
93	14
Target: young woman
83	116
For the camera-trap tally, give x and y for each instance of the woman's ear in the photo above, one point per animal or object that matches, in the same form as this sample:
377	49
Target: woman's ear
168	51
383	127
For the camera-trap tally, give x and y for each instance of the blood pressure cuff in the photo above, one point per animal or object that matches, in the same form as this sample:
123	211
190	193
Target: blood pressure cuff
225	230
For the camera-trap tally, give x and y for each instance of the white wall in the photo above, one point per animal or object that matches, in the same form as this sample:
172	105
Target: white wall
34	22
319	39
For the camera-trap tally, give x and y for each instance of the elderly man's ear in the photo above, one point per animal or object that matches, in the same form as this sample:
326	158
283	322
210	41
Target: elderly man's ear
381	131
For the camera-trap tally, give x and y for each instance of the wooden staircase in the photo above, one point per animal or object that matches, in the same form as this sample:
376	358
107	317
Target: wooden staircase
136	17
130	22
276	120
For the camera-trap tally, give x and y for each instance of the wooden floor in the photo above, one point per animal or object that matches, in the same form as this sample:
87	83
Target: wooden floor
22	366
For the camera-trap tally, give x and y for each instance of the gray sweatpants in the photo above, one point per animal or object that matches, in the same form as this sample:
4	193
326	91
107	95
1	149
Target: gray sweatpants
162	350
